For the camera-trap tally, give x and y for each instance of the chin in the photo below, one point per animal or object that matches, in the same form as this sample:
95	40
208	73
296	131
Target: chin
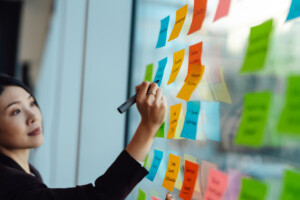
38	142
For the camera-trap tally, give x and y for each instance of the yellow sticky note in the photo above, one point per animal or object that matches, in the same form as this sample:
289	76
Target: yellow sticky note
193	79
204	91
178	183
180	18
220	90
172	172
177	62
175	111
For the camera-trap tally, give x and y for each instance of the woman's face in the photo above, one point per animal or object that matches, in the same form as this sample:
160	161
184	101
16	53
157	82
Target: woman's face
20	120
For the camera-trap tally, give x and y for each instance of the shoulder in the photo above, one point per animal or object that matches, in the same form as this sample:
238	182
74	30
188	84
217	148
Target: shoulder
13	180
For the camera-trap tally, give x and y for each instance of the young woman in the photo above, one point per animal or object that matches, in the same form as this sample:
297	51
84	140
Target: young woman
21	129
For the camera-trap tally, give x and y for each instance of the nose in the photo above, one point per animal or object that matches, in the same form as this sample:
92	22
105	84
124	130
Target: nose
31	117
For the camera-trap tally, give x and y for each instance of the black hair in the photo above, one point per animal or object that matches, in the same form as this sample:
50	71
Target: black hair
6	80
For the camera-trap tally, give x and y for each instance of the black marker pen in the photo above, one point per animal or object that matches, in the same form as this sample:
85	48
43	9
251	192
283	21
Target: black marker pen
127	104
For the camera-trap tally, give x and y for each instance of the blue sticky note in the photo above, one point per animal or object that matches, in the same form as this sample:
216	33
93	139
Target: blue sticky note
294	10
155	164
160	71
162	37
189	130
211	123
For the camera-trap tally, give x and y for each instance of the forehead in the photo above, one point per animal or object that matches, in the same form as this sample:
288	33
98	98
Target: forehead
11	94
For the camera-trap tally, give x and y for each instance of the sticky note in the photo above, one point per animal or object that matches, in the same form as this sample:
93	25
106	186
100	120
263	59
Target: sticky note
141	195
172	172
177	62
160	71
234	185
162	37
289	120
149	73
178	183
204	173
217	185
254	119
189	130
253	189
192	81
193	159
198	15
195	53
294	10
189	180
175	112
258	47
222	10
220	90
155	198
204	91
146	163
291	185
161	131
211	113
158	155
180	18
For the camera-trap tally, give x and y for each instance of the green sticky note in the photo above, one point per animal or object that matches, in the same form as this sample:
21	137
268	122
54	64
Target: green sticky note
291	185
258	47
146	160
149	73
253	189
141	195
161	131
289	121
254	119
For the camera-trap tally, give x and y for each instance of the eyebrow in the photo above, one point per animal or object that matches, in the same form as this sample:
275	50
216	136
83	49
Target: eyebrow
12	103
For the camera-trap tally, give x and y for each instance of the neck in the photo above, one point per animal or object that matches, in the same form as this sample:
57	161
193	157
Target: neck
21	156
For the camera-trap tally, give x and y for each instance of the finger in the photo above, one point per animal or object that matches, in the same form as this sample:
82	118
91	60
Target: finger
143	90
152	88
137	88
159	95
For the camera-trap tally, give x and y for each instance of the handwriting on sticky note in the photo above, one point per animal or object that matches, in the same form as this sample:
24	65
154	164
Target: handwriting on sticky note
149	73
291	185
198	15
162	37
217	185
254	119
192	81
253	189
177	62
211	115
195	52
175	112
180	18
141	195
294	11
160	71
289	121
158	155
222	10
189	180
172	172
258	47
189	130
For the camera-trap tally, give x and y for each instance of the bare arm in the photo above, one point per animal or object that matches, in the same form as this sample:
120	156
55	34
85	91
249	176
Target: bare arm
152	109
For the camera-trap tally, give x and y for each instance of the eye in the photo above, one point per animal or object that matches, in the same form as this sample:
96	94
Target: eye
33	103
15	112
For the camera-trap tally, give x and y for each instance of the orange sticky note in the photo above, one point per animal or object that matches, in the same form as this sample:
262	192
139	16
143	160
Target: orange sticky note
204	173
172	172
193	79
193	159
198	15
175	111
217	185
222	10
195	52
189	180
177	62
180	18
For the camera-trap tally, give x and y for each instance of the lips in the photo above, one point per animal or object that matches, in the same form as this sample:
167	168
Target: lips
35	132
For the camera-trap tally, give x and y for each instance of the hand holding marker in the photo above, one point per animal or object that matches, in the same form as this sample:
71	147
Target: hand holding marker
127	104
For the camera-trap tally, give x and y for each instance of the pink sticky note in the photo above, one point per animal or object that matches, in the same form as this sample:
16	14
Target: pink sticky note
204	173
155	198
222	10
234	185
217	185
